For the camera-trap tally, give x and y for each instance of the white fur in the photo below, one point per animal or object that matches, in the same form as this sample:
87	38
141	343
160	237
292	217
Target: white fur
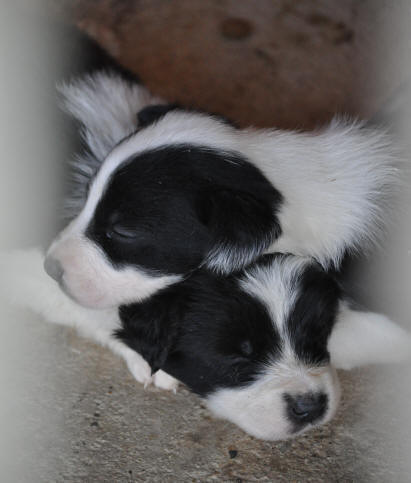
91	280
362	338
107	106
335	183
276	287
25	284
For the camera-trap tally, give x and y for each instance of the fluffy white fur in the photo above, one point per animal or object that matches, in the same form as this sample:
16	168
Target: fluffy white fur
361	338
277	297
107	106
337	184
336	181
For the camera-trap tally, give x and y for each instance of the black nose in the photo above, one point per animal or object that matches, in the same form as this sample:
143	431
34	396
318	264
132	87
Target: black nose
306	408
53	268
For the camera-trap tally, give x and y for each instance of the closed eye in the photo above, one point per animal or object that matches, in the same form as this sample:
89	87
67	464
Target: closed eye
121	231
236	360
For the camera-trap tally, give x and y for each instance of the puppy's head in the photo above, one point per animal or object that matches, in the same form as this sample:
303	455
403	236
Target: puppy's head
160	207
167	191
254	346
262	347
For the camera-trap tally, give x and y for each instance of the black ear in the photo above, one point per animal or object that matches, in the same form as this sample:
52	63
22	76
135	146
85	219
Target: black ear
153	113
242	226
150	328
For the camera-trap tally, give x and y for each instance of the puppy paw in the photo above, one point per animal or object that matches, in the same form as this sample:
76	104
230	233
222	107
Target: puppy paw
139	368
163	381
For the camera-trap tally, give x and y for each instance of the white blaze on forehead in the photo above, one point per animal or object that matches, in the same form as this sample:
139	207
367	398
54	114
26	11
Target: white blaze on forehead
276	286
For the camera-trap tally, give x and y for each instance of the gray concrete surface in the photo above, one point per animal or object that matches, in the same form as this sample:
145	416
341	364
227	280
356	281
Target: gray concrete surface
93	422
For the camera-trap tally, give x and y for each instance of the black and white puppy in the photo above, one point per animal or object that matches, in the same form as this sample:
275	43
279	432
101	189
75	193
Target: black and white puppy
254	346
260	347
180	190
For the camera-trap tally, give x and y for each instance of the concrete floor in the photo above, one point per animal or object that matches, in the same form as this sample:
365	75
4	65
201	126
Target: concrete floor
89	421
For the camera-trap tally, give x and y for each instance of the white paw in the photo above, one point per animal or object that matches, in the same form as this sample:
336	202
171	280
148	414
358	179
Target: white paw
139	368
163	381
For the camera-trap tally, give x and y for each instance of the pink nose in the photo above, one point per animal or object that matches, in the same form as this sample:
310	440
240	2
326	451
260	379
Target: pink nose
53	268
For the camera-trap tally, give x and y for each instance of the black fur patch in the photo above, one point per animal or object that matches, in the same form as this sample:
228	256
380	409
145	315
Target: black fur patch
313	316
150	114
165	210
206	332
153	113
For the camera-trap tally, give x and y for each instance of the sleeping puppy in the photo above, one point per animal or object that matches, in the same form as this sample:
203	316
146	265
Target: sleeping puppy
253	345
162	191
260	347
256	345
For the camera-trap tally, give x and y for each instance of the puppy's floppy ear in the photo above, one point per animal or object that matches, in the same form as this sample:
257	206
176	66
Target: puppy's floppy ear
105	104
104	107
362	338
242	226
153	113
150	328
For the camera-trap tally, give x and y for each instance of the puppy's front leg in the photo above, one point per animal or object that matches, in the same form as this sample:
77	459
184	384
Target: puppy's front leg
138	367
162	380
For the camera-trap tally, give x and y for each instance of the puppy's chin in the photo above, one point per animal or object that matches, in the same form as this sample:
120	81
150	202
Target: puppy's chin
89	299
104	294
